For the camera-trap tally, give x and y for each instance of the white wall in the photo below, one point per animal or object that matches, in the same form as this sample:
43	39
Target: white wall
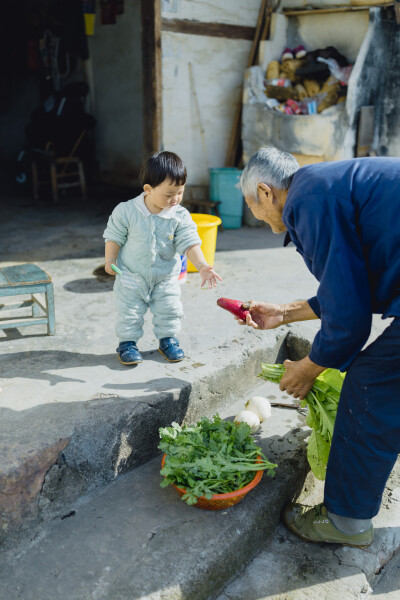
306	4
115	70
234	12
218	66
345	31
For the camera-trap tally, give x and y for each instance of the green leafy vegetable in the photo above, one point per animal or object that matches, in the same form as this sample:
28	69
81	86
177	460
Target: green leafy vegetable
322	401
318	454
212	457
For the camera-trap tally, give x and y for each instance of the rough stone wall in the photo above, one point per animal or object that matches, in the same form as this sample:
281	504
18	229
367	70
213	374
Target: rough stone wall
375	82
310	135
381	79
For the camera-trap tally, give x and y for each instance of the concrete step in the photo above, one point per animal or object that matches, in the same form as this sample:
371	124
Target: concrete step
58	451
133	539
53	454
290	569
72	417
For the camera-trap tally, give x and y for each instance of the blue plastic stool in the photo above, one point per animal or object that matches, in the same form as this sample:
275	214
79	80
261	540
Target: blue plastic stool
28	279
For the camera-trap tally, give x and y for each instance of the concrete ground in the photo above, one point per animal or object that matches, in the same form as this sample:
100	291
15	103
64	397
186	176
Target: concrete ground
133	540
289	569
73	419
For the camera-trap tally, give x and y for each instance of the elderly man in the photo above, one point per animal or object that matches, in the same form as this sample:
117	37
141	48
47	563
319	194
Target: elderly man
344	219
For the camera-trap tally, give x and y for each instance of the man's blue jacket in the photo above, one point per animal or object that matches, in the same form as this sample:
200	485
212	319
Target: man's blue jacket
344	219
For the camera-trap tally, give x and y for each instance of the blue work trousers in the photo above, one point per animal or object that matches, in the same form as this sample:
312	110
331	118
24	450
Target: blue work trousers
366	437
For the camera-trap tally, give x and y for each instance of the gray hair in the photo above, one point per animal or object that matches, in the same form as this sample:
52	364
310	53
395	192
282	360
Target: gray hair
270	166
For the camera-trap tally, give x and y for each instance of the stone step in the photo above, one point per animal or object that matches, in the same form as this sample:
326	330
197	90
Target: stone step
52	455
133	539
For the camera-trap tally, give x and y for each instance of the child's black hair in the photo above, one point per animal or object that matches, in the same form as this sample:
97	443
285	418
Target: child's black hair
161	166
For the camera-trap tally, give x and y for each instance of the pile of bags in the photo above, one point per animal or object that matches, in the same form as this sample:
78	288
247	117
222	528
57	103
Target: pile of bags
307	82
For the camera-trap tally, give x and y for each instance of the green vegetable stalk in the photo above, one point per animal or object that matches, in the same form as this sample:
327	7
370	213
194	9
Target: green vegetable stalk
322	401
212	457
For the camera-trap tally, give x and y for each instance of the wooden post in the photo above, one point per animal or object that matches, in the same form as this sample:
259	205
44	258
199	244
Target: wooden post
151	75
397	11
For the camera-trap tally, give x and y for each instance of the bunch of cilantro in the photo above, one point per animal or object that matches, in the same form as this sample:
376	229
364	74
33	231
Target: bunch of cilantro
322	401
212	457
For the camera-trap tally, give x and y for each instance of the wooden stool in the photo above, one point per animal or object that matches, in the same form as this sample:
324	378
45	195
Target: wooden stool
28	279
67	173
61	172
64	173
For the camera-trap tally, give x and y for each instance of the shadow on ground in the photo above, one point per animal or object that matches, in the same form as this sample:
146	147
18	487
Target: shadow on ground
38	364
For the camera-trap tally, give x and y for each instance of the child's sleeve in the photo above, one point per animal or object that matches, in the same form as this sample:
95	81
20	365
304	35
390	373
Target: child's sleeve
117	226
186	234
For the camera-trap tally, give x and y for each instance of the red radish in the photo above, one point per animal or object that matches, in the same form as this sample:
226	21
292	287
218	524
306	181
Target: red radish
236	307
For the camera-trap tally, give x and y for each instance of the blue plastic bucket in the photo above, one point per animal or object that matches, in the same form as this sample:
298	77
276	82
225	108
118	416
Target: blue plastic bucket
223	189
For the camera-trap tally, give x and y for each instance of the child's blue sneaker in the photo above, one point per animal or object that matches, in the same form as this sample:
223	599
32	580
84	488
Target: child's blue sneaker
169	348
128	353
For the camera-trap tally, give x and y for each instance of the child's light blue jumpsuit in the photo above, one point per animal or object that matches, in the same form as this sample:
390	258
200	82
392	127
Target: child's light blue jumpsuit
149	258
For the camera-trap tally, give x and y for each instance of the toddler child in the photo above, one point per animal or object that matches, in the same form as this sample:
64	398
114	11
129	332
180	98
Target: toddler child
145	237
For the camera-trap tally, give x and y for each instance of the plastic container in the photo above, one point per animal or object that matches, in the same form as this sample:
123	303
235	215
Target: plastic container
223	189
280	82
183	274
89	23
207	227
219	501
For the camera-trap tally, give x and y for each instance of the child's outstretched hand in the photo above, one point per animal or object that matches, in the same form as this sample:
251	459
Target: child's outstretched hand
207	273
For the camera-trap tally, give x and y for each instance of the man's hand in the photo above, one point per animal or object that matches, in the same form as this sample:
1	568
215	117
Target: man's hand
207	273
264	315
299	377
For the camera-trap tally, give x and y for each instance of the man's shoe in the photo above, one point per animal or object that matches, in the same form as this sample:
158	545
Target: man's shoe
311	523
128	353
169	348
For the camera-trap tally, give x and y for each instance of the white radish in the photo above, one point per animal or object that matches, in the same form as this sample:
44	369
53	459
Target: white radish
246	416
260	406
